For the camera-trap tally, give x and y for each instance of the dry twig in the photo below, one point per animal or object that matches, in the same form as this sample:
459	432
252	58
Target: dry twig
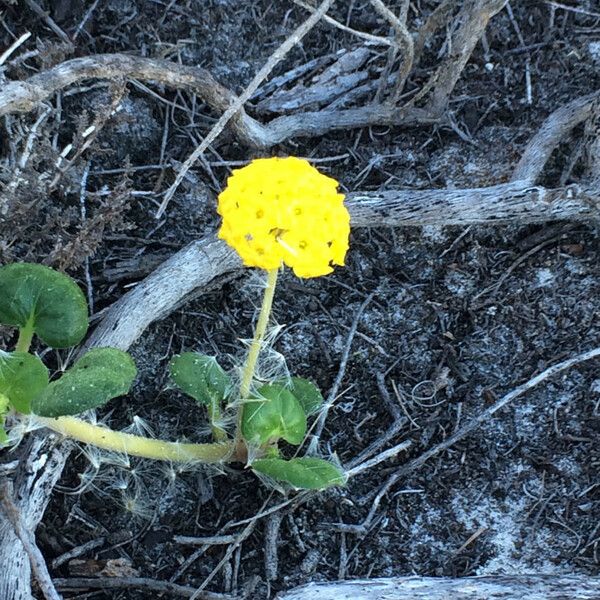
231	110
554	129
404	44
374	39
472	21
333	392
434	21
40	12
38	564
153	586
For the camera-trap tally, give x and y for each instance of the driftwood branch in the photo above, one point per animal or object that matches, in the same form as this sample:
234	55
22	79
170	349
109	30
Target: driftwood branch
13	515
24	96
472	21
151	587
498	587
551	133
39	469
515	202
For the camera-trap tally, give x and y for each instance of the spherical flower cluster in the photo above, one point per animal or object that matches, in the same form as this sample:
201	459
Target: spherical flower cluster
283	210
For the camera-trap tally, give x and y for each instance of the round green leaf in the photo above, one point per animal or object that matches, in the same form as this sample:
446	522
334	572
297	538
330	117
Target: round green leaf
276	414
200	377
100	375
37	297
302	473
22	378
307	393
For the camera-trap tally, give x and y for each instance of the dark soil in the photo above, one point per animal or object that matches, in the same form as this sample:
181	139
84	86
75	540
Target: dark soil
457	318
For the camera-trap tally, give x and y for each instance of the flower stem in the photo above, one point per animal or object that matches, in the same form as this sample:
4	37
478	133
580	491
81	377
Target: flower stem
117	441
25	337
214	416
259	334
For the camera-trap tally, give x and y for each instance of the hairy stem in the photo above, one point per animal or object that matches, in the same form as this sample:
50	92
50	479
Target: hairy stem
117	441
259	334
25	337
214	415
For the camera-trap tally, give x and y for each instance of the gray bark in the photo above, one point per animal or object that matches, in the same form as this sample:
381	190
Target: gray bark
498	587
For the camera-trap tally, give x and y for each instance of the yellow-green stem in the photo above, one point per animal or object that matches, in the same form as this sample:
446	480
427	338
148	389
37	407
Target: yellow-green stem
214	416
135	445
25	337
259	334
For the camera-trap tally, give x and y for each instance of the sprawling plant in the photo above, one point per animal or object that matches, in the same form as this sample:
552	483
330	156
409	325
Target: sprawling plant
275	211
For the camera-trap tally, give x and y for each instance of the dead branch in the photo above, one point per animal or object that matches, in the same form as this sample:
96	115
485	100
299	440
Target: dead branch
591	144
40	12
473	19
150	586
554	129
373	39
504	203
434	21
195	266
404	45
336	80
39	471
495	587
36	560
24	96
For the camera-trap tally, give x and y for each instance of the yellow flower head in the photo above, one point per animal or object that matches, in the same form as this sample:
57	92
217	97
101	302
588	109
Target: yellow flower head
283	210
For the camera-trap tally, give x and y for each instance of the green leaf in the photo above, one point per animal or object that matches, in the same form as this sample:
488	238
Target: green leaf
277	414
4	404
302	473
307	393
22	378
200	377
39	298
99	376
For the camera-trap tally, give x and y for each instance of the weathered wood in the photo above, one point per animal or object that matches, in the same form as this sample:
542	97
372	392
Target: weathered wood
155	297
41	467
497	587
335	81
24	96
516	202
553	130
